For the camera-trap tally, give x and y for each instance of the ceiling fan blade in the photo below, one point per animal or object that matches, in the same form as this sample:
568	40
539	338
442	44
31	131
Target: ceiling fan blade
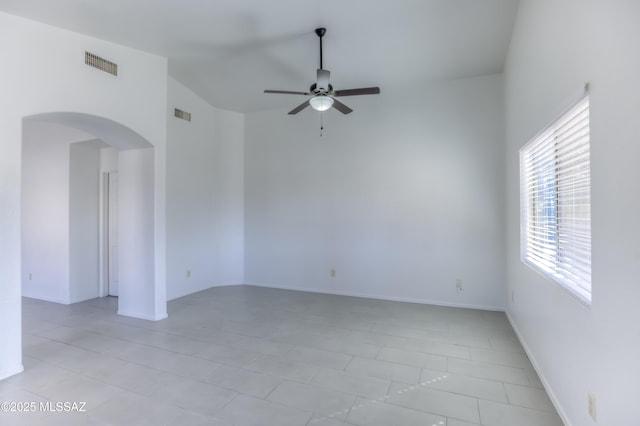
341	107
287	92
355	92
322	81
299	108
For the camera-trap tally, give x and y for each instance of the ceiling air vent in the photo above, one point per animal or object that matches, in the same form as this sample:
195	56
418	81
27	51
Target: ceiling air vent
182	114
102	64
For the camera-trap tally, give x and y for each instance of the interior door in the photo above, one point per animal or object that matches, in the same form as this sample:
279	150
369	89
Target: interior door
112	234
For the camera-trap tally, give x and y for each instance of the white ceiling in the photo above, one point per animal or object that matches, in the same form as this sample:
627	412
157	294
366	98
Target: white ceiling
229	51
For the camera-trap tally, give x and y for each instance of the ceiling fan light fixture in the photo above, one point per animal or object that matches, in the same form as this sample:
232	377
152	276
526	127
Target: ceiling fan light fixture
321	102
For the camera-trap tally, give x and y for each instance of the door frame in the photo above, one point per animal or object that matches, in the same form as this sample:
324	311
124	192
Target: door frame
104	232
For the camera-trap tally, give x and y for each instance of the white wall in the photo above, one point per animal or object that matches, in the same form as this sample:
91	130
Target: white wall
205	172
556	47
136	272
45	209
44	73
401	197
228	186
84	221
61	257
61	215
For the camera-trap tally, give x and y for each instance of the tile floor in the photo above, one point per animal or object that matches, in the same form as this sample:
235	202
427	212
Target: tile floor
245	355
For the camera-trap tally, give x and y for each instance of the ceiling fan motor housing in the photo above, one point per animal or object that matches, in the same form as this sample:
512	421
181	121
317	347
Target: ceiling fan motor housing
314	89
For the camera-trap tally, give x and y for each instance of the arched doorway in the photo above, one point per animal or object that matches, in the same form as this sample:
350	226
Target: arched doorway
61	230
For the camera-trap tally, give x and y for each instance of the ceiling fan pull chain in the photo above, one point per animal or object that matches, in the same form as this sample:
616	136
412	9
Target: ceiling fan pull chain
321	122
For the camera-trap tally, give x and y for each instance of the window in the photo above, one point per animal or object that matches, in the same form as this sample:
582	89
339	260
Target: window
555	205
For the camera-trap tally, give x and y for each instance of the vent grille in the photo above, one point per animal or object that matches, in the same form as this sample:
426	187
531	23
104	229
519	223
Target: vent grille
182	114
102	64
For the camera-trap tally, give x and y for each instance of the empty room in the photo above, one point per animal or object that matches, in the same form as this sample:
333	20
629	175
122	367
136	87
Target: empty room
322	213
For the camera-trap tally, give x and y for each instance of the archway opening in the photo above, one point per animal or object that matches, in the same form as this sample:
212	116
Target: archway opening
65	244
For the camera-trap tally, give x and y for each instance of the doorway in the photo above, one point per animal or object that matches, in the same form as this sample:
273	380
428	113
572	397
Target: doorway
124	225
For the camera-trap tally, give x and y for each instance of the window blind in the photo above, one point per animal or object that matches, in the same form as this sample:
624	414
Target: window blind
555	190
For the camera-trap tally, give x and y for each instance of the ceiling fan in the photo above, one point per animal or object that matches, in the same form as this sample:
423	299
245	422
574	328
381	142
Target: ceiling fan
323	97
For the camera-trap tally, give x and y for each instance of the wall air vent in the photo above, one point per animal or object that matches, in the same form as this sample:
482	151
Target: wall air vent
182	114
102	64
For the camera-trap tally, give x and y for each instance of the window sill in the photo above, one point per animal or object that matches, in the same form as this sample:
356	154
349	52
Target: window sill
584	300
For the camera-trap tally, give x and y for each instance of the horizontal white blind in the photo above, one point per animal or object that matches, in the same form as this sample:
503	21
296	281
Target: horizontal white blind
555	207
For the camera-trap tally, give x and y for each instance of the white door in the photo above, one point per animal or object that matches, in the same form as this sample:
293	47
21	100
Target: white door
112	234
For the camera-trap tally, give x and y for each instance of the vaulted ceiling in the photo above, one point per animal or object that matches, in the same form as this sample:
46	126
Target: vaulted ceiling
229	51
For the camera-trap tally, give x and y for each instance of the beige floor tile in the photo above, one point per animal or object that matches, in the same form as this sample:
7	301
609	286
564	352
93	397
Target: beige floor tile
530	397
312	398
243	381
248	411
366	387
496	414
419	359
384	370
253	356
373	413
433	401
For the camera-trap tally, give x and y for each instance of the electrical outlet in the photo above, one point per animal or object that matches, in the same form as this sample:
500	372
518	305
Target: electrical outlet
30	276
188	273
591	402
513	297
459	287
333	273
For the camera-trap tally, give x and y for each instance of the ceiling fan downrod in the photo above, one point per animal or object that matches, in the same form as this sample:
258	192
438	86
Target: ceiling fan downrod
320	32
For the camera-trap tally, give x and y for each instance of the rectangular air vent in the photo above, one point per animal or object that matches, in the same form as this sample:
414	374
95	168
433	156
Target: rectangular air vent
102	64
182	114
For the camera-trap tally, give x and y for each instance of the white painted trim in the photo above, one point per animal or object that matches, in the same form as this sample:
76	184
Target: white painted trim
84	299
381	297
142	316
11	372
47	299
536	366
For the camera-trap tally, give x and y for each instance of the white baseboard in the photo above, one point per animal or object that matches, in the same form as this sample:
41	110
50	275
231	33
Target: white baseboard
143	316
381	297
46	299
536	366
11	372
